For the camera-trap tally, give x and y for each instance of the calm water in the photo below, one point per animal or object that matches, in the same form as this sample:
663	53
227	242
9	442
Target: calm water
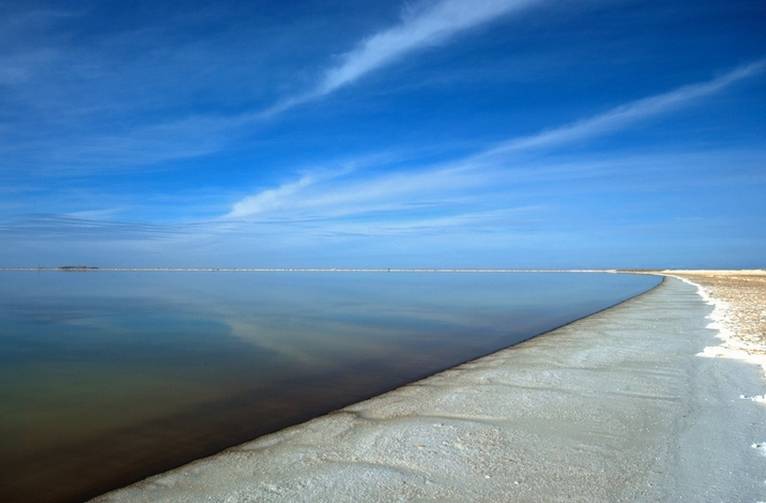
106	378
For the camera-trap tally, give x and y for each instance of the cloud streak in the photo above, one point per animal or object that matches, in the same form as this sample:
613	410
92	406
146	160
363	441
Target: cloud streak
96	143
420	27
340	196
625	115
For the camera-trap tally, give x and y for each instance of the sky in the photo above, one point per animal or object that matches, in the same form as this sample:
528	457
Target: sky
425	133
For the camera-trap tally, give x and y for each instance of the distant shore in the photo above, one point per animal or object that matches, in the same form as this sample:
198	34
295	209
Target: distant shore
616	406
292	269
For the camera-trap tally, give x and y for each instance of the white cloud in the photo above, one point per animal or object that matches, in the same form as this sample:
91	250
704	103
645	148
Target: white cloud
270	199
627	114
342	194
495	219
468	179
419	28
425	25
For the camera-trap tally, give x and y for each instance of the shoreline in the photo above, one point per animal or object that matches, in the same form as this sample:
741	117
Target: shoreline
731	345
127	457
260	456
303	269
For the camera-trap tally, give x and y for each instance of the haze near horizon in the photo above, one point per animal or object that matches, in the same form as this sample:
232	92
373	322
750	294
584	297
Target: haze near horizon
441	133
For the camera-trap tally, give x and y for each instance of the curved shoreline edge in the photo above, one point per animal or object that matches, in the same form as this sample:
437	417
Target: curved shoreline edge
612	406
730	346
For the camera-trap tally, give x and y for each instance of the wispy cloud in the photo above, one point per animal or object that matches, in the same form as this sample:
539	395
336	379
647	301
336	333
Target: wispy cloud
346	194
625	115
53	227
448	185
421	26
93	141
484	221
432	202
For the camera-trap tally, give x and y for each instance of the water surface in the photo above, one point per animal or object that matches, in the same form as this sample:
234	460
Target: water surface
106	378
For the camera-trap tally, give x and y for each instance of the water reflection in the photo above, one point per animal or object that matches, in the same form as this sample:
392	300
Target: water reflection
120	375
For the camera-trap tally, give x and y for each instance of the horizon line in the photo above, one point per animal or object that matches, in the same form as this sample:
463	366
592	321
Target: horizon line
83	268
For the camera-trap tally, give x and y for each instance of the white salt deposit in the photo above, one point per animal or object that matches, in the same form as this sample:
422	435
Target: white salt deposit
730	345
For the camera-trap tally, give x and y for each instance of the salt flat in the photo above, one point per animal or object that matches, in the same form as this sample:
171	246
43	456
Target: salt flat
614	407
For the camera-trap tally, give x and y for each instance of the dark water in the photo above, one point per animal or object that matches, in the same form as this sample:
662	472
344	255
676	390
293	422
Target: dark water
106	378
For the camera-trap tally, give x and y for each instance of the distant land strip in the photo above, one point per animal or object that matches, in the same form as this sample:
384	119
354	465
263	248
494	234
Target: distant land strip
305	269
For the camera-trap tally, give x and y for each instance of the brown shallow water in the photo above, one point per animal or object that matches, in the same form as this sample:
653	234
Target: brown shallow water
106	378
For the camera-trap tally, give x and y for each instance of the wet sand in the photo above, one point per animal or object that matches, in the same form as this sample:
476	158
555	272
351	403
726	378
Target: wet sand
614	407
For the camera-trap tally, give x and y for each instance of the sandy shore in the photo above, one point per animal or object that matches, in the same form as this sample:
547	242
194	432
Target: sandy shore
614	407
739	315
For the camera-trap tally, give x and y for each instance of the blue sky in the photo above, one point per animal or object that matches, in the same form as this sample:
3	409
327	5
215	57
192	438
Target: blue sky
489	133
